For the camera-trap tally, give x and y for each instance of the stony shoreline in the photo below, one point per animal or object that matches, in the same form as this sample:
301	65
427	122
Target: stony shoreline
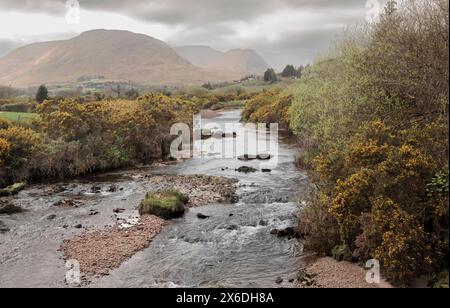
100	251
326	272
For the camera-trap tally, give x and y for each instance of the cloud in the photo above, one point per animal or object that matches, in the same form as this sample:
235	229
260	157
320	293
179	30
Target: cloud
281	30
182	11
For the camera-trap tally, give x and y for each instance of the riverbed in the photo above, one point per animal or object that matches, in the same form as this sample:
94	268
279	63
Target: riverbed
233	247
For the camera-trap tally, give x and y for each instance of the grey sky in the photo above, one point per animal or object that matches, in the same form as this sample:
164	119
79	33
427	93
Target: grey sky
282	31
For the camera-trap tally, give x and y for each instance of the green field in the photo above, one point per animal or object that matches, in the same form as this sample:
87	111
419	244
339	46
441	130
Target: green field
18	116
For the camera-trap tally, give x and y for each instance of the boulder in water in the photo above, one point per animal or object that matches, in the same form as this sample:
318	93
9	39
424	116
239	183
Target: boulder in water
3	227
246	157
264	157
8	208
246	169
96	189
202	216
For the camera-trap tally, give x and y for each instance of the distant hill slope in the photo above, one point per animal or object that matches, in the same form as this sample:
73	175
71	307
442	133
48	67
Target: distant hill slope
114	54
237	61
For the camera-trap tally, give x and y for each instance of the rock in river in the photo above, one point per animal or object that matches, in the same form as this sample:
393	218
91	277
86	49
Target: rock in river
8	208
3	227
246	169
287	232
202	216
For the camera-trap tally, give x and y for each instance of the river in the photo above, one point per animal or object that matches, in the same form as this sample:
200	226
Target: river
234	247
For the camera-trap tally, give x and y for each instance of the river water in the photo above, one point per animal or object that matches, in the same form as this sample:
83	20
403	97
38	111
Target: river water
234	247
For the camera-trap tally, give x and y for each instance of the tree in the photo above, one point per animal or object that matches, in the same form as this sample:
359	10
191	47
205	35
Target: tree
270	76
117	90
7	92
132	94
289	71
207	86
300	70
41	94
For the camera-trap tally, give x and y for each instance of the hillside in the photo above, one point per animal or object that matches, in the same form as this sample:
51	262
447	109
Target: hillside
235	61
117	55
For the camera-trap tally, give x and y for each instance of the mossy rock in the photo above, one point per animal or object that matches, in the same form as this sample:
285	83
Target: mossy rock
10	209
166	204
12	190
341	253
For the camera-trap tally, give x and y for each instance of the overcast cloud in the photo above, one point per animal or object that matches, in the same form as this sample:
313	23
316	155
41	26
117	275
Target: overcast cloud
282	31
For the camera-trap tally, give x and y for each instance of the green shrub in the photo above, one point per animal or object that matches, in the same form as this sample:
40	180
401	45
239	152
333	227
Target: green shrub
166	204
318	226
341	253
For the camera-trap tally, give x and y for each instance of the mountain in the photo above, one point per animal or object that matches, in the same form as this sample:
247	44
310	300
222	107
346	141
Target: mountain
114	54
235	61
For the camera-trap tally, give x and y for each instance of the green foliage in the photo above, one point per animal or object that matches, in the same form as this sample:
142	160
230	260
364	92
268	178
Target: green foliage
380	135
19	144
72	137
341	253
318	226
268	107
439	280
7	92
132	94
373	121
270	76
12	189
166	204
289	71
41	94
4	123
21	117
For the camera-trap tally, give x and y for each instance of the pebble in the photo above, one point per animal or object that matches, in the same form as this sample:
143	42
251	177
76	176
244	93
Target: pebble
51	217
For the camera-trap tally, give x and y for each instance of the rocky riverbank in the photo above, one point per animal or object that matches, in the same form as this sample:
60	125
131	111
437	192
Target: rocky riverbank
101	251
93	220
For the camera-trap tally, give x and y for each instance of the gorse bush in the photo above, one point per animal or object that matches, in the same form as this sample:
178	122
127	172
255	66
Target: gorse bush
19	144
74	137
373	120
268	107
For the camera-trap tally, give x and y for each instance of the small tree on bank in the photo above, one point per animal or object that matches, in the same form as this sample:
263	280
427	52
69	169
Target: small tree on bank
41	94
270	76
289	71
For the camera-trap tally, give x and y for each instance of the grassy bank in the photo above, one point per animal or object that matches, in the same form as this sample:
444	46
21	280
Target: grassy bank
21	117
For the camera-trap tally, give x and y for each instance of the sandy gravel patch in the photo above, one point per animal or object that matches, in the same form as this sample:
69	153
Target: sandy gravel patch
99	252
329	273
